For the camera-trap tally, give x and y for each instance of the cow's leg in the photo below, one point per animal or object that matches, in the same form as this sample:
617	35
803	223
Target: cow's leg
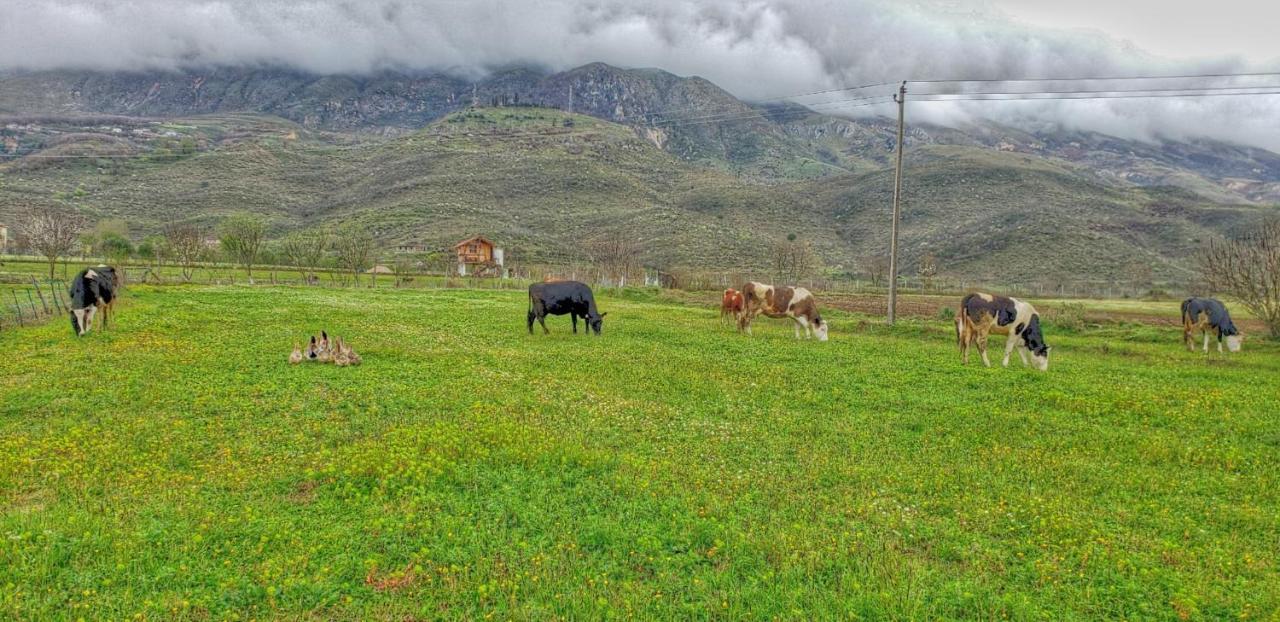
796	327
982	349
542	319
1206	341
532	316
80	315
1022	352
574	318
87	324
1009	345
1188	339
1219	344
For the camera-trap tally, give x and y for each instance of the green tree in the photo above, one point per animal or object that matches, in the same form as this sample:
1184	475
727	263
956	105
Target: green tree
115	248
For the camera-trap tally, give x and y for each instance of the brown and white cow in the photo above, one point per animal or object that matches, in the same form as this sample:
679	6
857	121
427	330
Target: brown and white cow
796	303
981	314
731	303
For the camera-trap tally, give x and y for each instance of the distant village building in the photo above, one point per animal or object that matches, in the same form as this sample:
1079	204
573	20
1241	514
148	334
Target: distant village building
411	247
380	269
480	257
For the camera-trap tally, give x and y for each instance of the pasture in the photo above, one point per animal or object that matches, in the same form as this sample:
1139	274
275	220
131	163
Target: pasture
177	468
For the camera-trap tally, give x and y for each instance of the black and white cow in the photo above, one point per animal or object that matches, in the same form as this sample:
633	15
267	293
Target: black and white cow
560	298
93	290
981	314
1209	314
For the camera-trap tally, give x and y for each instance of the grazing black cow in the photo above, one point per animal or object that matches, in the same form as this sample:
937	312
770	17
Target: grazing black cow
559	298
1208	314
93	289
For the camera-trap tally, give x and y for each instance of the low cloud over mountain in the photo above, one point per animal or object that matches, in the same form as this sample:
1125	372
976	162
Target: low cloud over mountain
757	49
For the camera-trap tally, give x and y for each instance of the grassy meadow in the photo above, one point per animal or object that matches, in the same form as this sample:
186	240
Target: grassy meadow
177	468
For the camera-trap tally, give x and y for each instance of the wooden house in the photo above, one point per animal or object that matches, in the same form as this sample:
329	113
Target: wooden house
479	256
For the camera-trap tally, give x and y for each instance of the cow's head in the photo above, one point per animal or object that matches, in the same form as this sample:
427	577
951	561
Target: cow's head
1233	342
1034	341
597	322
820	328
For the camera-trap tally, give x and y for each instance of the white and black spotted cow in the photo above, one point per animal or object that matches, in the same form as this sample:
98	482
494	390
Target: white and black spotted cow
92	291
981	314
796	303
1209	314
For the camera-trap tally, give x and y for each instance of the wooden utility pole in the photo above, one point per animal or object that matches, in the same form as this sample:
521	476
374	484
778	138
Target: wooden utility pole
901	99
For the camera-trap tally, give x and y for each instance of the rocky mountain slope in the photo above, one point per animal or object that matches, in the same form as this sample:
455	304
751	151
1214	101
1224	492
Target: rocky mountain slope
688	117
543	181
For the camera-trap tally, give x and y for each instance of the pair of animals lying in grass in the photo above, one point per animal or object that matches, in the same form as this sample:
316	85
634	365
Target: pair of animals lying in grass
324	350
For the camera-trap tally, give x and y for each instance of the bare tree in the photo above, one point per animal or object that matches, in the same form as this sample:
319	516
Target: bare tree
354	247
877	269
305	249
184	243
51	232
1248	269
241	235
928	269
793	260
617	255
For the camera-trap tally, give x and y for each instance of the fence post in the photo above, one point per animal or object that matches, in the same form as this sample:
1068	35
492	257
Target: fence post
57	296
41	295
17	307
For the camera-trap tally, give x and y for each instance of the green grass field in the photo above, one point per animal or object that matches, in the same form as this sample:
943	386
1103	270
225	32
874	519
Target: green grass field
176	467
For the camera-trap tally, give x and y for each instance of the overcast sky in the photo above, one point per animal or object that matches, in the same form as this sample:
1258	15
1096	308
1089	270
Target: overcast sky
754	48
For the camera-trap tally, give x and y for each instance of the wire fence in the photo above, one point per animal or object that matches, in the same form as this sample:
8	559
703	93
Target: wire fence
30	301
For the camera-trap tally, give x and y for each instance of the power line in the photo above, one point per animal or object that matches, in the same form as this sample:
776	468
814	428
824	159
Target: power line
1104	78
1192	89
940	97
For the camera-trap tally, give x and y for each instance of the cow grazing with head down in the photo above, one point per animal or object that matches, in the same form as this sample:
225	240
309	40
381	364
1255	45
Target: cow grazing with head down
1209	314
560	298
731	304
93	290
796	303
981	314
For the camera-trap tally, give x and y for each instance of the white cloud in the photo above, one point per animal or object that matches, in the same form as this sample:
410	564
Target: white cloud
754	48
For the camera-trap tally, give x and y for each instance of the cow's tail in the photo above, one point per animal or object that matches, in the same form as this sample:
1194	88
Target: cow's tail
962	324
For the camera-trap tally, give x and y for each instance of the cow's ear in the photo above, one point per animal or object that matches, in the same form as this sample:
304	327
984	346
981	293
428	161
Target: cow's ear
604	314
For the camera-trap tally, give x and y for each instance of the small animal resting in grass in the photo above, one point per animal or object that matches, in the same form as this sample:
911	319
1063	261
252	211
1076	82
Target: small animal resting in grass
93	290
1209	314
561	298
324	349
796	303
731	304
981	314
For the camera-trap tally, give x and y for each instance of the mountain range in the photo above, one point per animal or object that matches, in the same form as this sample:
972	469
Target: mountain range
542	160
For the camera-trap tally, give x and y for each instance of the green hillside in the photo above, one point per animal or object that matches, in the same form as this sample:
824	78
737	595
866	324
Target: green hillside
543	181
